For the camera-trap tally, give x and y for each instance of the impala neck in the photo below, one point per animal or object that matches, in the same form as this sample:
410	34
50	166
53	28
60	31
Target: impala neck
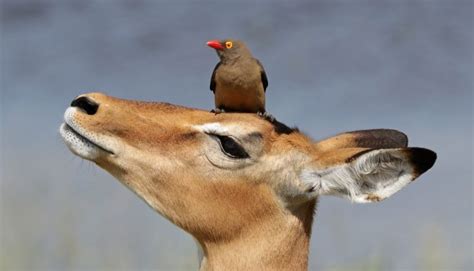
277	243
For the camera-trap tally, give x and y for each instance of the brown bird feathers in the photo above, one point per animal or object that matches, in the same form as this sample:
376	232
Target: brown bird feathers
239	80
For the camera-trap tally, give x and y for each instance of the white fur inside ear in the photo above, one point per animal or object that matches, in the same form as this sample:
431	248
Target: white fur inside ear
371	177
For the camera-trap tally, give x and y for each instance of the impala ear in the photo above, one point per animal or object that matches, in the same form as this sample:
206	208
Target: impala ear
374	139
366	175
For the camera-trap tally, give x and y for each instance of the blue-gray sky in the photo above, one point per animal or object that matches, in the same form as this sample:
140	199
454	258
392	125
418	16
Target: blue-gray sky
333	66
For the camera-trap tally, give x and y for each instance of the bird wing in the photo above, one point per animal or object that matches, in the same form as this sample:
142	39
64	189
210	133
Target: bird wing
263	75
212	86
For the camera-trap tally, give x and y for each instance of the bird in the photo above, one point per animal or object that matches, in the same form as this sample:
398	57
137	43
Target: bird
238	81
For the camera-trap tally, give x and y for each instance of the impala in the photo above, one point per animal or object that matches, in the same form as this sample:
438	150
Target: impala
245	188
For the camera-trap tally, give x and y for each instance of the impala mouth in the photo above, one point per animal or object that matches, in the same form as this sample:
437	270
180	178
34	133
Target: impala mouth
80	144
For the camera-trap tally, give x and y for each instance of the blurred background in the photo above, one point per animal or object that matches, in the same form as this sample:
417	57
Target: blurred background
333	66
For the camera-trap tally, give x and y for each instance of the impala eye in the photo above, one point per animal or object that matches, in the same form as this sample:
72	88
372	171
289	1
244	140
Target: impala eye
231	148
228	44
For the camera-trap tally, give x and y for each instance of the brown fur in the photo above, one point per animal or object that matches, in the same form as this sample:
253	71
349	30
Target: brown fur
245	216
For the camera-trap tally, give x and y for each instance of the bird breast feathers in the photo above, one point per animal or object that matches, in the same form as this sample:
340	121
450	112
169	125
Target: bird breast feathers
241	75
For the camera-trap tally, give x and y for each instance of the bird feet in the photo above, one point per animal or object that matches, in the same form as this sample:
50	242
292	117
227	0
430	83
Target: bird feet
266	116
217	111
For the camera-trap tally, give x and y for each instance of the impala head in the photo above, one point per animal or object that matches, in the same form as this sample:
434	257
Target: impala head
217	176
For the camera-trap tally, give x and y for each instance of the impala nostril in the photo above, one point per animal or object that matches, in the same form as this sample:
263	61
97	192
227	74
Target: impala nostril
85	104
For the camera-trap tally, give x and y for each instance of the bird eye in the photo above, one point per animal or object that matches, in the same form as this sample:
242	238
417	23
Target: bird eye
231	148
228	44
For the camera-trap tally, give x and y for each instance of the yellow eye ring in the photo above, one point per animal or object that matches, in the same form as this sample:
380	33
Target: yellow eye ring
228	44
